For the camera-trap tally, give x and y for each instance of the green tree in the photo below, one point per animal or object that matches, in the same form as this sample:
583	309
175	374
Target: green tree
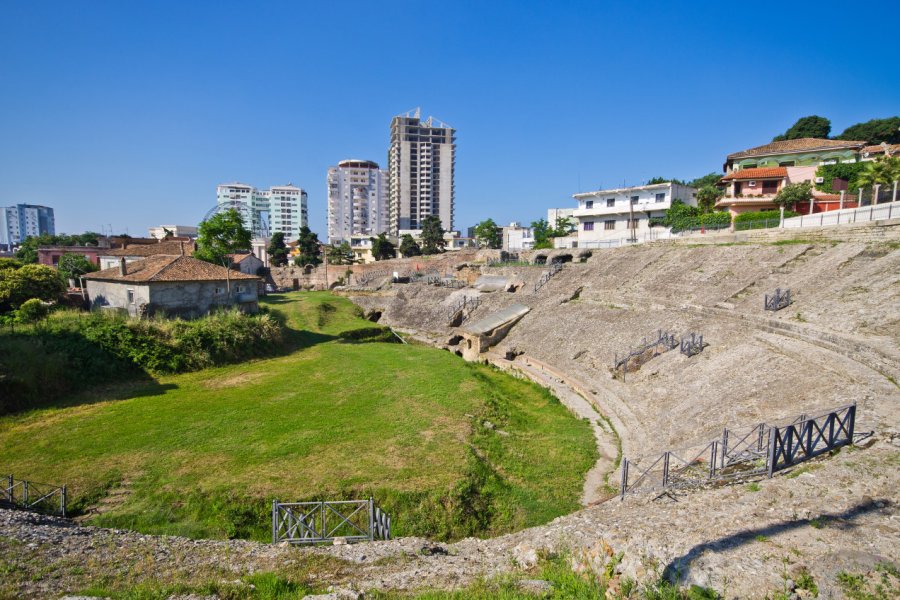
309	247
883	171
30	281
794	195
10	263
432	235
383	248
341	254
707	196
73	266
708	179
489	234
277	250
806	127
220	235
875	131
564	226
32	311
542	233
408	246
657	180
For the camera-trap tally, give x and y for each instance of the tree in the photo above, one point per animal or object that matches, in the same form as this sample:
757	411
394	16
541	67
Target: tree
309	247
707	196
383	249
884	171
542	233
408	246
708	179
73	266
875	131
220	235
341	254
277	250
657	180
432	235
794	194
30	281
564	226
489	234
32	311
806	127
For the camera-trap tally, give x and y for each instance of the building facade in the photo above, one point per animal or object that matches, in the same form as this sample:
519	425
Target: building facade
357	200
264	212
179	231
25	220
421	163
625	213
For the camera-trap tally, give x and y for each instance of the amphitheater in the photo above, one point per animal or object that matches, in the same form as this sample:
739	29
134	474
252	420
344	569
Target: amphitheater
836	344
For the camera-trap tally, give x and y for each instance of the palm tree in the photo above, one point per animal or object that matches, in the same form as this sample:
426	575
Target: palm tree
884	171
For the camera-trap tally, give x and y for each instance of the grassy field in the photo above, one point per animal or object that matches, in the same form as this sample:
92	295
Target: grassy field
203	454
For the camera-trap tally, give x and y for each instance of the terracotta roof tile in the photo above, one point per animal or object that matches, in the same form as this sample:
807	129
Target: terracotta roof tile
166	248
240	257
759	173
798	145
169	268
879	149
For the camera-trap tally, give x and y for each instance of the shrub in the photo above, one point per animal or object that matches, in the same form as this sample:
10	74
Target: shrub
846	171
32	311
761	219
27	282
682	217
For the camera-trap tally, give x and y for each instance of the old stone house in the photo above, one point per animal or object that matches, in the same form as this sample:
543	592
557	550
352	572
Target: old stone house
171	285
246	263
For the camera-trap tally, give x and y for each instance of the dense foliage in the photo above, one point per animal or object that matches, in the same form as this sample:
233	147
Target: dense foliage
29	281
708	179
884	171
875	131
220	235
682	217
432	235
489	234
72	350
707	196
27	251
32	311
341	254
383	248
277	250
656	180
409	246
309	247
806	127
849	172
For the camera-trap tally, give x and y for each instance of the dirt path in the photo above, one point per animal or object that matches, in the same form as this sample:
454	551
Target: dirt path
595	481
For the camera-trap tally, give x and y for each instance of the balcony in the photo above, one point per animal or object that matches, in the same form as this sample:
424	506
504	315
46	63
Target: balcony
621	208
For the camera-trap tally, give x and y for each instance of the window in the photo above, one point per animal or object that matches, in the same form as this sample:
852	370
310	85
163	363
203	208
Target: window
770	187
219	291
751	183
634	199
609	225
241	289
786	163
749	166
610	202
589	204
661	197
130	296
830	161
633	223
588	225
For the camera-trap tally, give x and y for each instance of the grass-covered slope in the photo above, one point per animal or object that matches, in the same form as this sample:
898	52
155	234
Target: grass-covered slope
204	453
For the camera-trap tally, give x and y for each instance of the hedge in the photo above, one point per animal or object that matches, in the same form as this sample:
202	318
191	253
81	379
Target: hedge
847	171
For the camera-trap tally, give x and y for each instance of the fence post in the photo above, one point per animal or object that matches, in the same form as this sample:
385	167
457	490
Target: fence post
62	501
9	487
666	470
851	415
712	459
624	477
724	446
371	519
274	521
25	488
770	455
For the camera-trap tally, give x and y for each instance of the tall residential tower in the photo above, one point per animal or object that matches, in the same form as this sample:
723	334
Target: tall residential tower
264	212
357	200
421	163
25	220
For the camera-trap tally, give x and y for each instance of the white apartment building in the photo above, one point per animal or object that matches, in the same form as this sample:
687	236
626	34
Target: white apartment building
264	212
160	232
421	165
625	213
516	237
25	220
357	200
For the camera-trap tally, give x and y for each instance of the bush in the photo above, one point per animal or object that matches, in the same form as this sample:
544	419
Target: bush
846	171
27	282
682	217
32	311
761	219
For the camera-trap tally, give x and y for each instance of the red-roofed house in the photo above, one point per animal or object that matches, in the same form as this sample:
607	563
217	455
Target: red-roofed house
171	285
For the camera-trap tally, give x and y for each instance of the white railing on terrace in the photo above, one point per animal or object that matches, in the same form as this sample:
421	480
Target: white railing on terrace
847	216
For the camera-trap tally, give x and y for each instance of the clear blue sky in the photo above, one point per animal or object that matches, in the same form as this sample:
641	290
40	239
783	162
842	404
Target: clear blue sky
130	113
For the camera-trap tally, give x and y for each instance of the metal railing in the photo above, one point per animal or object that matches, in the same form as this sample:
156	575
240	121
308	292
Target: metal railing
555	268
663	342
778	300
469	303
691	346
326	521
759	450
31	495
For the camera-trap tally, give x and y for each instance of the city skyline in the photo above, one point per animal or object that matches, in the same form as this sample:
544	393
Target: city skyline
129	115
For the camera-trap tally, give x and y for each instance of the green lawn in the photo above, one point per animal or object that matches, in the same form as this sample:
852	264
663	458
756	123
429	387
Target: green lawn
203	454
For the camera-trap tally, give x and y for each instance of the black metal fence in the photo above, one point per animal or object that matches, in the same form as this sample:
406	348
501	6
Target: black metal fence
31	495
466	303
555	268
780	299
759	450
317	522
663	342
